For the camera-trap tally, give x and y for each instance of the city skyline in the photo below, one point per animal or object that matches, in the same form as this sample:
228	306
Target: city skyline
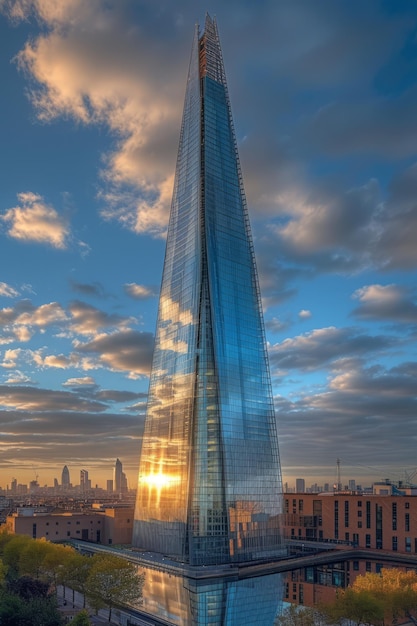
324	99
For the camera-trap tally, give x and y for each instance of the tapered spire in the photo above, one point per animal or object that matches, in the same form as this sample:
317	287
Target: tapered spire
209	487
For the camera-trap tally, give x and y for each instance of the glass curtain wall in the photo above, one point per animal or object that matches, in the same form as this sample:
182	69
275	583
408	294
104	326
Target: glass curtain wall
209	487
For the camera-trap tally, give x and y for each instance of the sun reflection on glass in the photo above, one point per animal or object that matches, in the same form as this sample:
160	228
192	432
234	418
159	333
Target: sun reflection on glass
160	480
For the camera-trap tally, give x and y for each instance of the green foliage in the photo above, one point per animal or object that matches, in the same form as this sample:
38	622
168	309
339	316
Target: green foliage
75	572
81	619
28	588
12	549
36	611
358	606
113	580
35	567
377	599
32	556
299	616
3	572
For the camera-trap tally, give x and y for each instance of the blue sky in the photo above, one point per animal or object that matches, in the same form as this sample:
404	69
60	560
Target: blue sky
324	96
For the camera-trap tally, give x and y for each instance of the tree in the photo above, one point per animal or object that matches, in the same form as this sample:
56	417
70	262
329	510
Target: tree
81	619
377	598
32	557
395	589
28	588
296	615
12	549
3	572
357	606
75	573
113	580
27	603
53	564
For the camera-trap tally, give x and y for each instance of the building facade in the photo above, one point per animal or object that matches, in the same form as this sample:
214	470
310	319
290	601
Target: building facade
209	487
374	521
105	525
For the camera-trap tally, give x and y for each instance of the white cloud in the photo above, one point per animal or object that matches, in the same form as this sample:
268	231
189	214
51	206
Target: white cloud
304	314
139	292
7	291
85	381
78	74
10	358
390	302
34	220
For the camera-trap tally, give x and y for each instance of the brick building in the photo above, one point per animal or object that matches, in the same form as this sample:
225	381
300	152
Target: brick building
379	522
374	523
110	526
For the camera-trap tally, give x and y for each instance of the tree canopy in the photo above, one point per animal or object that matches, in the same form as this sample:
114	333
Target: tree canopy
377	599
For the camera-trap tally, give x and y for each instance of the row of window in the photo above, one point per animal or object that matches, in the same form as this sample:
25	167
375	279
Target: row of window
69	523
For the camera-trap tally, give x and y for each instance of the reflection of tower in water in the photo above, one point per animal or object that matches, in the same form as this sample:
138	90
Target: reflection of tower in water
209	487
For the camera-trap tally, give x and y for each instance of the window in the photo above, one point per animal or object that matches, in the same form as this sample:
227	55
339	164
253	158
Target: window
78	523
356	566
78	532
68	533
395	544
359	524
367	541
47	523
407	522
407	505
336	519
368	514
300	506
408	544
394	516
301	594
346	513
368	566
359	502
359	513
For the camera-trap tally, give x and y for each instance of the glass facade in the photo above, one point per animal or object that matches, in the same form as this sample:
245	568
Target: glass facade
216	602
209	488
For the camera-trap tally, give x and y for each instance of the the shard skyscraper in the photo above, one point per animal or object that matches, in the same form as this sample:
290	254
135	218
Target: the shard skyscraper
209	489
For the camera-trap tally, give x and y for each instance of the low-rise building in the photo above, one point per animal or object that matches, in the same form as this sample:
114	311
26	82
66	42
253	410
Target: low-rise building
104	525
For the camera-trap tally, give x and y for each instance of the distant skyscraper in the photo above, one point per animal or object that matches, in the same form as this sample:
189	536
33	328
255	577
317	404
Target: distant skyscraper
85	483
300	485
117	476
65	479
209	488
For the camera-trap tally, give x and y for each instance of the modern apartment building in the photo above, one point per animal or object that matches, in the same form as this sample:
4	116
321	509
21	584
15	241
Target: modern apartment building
374	521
